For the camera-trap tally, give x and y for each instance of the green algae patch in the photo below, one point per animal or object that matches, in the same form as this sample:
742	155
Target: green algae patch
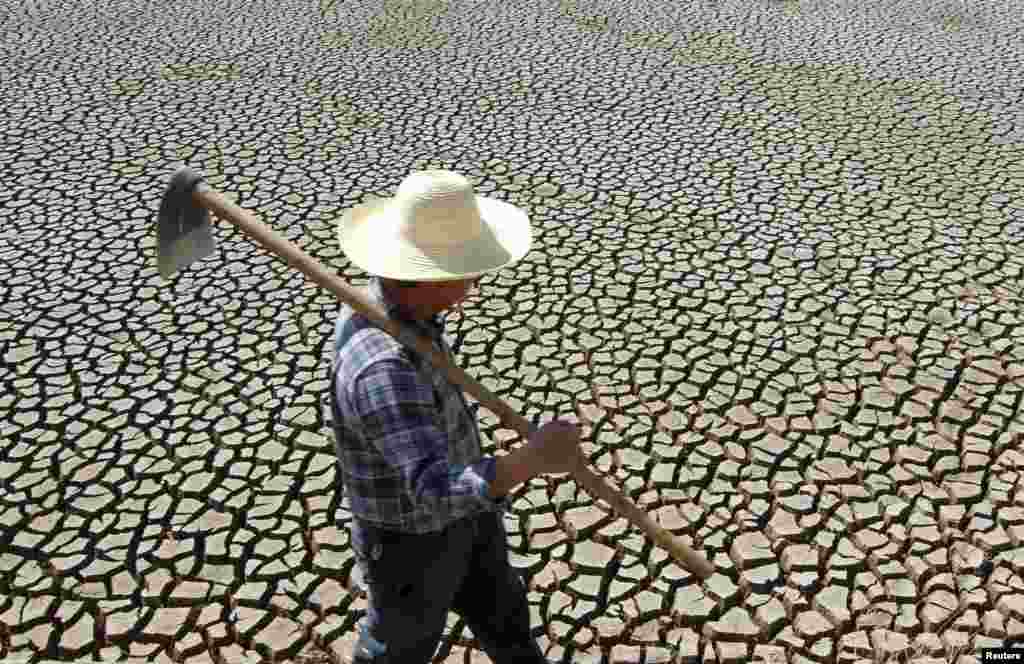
653	40
407	24
201	72
584	21
128	87
710	48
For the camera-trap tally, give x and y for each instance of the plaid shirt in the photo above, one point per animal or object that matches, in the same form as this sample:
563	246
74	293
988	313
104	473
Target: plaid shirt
407	442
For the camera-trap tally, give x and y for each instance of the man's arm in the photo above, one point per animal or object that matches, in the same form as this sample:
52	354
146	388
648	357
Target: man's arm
396	410
397	413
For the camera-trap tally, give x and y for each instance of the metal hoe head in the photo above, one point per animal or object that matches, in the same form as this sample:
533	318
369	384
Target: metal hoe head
183	232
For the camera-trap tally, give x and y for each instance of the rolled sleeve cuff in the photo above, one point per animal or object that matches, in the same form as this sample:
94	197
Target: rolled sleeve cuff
486	469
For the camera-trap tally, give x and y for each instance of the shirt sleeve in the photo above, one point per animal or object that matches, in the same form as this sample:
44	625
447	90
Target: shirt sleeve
398	415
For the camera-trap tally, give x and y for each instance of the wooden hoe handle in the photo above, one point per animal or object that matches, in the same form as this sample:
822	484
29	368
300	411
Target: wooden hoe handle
594	485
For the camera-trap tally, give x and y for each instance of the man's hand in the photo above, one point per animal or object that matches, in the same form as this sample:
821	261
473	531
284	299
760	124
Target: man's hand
554	448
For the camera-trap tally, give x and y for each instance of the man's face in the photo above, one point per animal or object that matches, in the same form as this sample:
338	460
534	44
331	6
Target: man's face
442	295
429	298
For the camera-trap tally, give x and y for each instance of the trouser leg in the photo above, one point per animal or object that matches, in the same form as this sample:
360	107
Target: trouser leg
492	598
411	583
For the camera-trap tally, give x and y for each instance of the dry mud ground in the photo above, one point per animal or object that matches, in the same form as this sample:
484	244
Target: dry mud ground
776	273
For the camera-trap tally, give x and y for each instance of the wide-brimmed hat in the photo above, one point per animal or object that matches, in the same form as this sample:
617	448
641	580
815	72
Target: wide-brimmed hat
434	229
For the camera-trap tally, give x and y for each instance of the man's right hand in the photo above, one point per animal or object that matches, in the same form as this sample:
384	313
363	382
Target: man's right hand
555	448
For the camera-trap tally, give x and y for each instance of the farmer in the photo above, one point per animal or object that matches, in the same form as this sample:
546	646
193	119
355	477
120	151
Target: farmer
427	528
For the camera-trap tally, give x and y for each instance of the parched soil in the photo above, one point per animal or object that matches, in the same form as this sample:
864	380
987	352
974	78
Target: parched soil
776	275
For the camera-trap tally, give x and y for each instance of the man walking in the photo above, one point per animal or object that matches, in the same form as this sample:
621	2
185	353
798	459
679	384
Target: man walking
427	528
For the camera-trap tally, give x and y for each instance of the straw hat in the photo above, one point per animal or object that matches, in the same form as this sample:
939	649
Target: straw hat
434	229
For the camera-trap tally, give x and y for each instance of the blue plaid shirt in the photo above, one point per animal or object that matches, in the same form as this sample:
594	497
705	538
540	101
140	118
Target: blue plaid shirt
407	442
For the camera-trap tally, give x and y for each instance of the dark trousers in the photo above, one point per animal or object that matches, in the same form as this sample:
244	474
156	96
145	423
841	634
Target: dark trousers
413	580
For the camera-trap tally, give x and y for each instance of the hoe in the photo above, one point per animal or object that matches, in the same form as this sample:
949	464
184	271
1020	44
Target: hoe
184	235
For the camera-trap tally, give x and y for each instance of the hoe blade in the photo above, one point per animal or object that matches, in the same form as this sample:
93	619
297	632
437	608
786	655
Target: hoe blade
183	232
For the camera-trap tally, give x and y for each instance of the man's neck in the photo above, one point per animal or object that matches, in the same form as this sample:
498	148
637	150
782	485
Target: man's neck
398	296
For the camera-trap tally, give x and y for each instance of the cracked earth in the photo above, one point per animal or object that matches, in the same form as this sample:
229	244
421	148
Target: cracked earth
776	275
